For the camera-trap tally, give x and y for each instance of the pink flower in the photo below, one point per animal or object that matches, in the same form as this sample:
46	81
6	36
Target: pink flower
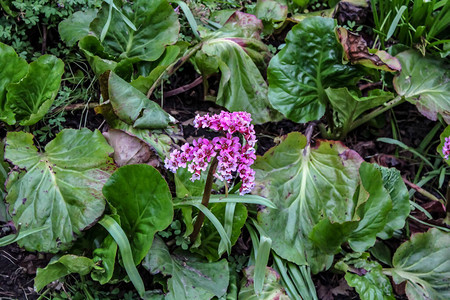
232	155
446	148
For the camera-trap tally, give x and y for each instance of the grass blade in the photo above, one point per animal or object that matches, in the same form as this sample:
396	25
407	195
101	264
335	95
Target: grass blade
189	16
265	244
121	239
249	199
402	145
223	235
228	224
394	23
20	234
108	22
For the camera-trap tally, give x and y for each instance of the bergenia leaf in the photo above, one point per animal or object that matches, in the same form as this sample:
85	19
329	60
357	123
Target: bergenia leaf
31	98
424	262
76	26
425	83
310	62
65	265
190	278
59	188
356	52
12	69
366	277
236	50
143	202
133	107
306	184
156	26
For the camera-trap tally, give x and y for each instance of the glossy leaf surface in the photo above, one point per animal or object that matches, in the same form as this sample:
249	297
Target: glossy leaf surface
144	203
309	63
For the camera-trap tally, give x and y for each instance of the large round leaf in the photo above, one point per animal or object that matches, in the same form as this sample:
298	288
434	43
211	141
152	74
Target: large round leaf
144	203
424	262
60	188
157	26
306	184
31	98
12	69
426	83
308	64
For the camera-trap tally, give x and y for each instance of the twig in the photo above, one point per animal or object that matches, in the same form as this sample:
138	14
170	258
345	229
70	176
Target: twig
76	106
44	39
184	88
423	192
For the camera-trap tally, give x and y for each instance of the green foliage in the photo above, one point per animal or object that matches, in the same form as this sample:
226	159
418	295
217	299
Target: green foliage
366	277
59	188
425	83
143	202
190	277
424	263
309	63
271	288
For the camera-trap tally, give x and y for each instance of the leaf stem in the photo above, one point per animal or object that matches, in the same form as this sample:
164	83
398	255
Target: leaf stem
205	199
391	104
424	192
174	67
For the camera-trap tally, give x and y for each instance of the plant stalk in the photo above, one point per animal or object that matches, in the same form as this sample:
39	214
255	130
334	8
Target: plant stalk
423	192
174	67
205	199
391	104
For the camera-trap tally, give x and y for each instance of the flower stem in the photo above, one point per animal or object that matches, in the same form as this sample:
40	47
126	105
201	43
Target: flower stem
205	200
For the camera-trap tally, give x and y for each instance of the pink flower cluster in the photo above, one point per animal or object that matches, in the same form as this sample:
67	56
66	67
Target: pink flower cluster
232	156
446	148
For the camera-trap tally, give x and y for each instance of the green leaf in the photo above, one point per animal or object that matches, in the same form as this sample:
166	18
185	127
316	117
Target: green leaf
272	289
348	106
31	98
366	277
444	134
133	107
235	51
210	240
98	59
157	26
190	278
309	63
273	13
120	238
105	254
76	26
59	188
424	262
12	69
65	265
144	203
425	83
398	192
306	184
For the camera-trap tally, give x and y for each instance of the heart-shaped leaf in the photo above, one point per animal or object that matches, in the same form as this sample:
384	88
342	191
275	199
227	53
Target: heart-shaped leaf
144	203
59	188
76	26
